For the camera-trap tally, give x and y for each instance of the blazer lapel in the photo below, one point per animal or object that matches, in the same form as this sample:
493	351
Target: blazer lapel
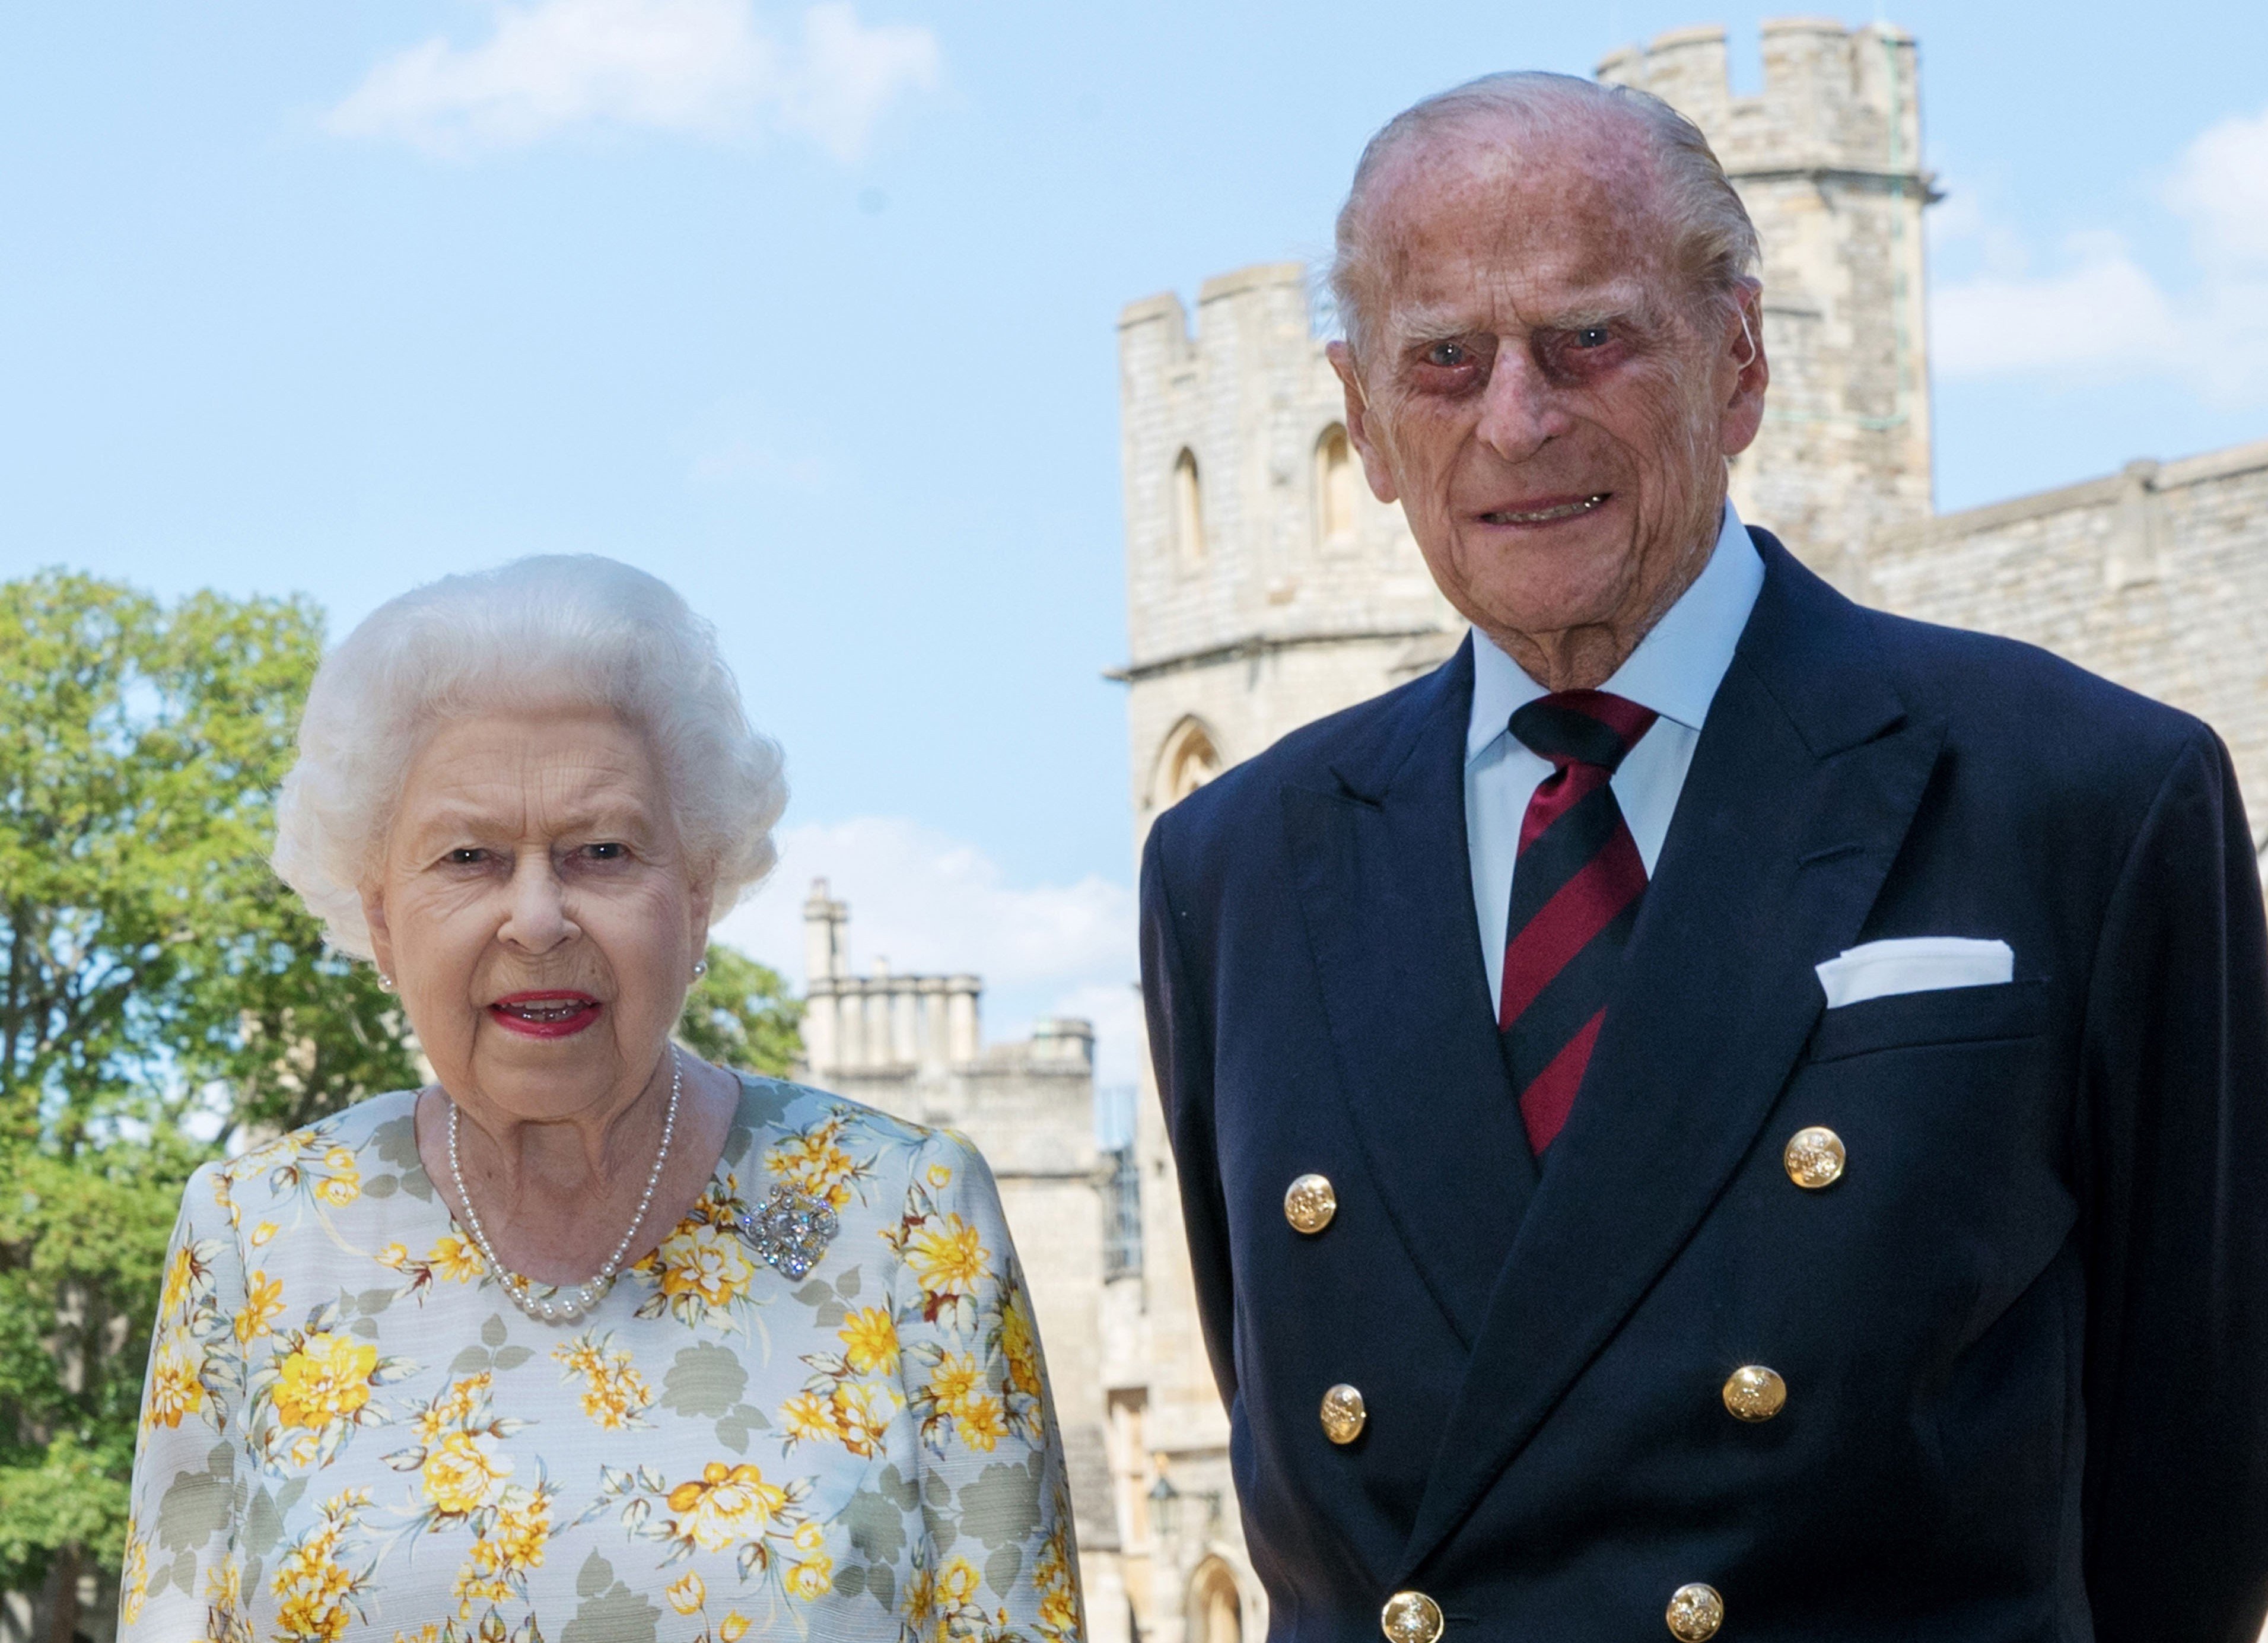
1385	889
1805	776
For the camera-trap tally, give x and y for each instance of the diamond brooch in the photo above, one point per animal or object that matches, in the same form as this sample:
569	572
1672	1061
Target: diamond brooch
790	1231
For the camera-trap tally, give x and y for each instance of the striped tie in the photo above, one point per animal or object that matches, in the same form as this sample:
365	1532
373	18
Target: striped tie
1574	898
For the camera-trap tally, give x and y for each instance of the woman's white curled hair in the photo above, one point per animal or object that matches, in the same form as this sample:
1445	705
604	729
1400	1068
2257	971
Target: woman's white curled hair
556	630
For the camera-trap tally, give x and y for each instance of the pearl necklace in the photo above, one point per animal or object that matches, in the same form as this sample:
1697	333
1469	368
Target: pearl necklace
570	1302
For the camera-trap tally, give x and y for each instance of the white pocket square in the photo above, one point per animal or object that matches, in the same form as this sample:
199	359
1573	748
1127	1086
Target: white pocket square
1914	964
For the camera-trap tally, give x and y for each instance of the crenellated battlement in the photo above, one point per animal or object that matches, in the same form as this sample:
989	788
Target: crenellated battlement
1835	99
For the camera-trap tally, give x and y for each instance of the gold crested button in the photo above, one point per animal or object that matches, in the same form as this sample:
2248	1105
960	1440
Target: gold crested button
1344	1414
1813	1158
1309	1202
1696	1612
1411	1618
1756	1393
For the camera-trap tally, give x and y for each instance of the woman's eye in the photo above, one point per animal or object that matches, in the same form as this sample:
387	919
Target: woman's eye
607	852
468	856
1592	336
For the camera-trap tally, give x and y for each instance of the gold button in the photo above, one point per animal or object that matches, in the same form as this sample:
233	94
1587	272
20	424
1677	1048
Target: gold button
1814	1159
1309	1202
1344	1414
1756	1393
1411	1618
1696	1612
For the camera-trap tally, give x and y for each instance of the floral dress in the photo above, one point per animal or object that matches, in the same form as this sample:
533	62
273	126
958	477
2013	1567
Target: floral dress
350	1431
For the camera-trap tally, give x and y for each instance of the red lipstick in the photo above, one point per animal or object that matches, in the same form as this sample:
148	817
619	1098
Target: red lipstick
545	1014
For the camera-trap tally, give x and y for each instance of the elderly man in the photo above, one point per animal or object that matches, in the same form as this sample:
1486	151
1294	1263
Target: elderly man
1718	1105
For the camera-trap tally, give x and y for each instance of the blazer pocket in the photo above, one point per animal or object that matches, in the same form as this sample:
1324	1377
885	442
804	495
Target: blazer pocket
1939	1016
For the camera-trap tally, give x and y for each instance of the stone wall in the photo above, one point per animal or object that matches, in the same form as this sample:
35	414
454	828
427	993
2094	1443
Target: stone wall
2156	577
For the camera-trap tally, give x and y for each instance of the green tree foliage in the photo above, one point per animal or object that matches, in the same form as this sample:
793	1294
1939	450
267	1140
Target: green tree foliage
155	981
740	1014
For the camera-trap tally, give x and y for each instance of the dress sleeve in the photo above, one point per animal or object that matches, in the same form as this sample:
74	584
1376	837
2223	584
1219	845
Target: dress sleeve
192	1471
994	1556
2174	1148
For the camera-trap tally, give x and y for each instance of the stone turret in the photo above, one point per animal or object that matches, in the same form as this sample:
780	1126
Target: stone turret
1827	158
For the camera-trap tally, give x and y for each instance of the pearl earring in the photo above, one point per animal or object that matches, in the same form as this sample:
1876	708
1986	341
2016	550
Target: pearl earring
700	969
385	982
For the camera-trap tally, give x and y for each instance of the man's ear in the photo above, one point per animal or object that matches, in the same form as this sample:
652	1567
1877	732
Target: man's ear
1741	412
1360	433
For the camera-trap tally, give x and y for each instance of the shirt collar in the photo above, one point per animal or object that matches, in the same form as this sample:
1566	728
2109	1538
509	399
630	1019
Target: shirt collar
1677	665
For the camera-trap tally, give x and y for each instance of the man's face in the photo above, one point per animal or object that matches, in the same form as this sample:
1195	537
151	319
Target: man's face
1541	390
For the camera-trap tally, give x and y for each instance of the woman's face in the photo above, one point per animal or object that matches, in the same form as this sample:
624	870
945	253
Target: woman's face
535	910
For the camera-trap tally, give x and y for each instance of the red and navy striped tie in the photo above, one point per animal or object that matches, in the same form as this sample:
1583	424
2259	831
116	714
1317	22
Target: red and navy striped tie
1574	898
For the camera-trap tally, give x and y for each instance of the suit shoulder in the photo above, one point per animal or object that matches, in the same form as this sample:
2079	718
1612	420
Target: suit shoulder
2025	703
1246	792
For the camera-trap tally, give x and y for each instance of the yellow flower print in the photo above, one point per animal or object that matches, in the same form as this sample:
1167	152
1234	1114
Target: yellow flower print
328	1378
948	1259
957	1582
224	1585
705	1263
614	1394
810	1538
134	1577
735	1628
180	1272
687	1595
453	1407
262	1234
463	1473
496	1568
862	1415
983	1423
1019	1344
815	1162
430	1632
1051	1576
176	1382
395	1256
343	1184
458	1260
727	1504
315	1590
263	1299
813	1577
954	1379
809	1418
939	1175
920	1600
870	1341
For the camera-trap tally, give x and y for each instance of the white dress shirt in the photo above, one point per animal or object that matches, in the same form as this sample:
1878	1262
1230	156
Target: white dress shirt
1675	670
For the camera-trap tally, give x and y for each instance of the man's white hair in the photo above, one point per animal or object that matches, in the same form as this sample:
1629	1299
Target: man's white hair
1714	242
557	630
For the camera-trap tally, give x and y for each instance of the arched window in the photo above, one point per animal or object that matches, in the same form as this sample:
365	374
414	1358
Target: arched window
1189	509
1216	1610
1187	762
1335	480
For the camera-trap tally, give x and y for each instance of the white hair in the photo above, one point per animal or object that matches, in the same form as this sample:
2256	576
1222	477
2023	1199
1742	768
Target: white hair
1714	244
571	630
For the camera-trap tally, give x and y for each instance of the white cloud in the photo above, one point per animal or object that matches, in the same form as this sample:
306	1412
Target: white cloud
934	904
2101	312
697	68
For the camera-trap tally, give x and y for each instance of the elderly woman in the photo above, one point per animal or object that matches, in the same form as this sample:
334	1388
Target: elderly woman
588	1338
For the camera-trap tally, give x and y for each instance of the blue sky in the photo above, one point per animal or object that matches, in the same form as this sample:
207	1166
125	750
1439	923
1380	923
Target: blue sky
809	309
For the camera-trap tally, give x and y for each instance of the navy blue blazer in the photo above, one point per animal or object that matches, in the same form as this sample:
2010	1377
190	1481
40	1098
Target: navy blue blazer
2025	1337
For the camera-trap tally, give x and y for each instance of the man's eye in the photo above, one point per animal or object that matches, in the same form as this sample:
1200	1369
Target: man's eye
1448	356
1592	336
608	851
